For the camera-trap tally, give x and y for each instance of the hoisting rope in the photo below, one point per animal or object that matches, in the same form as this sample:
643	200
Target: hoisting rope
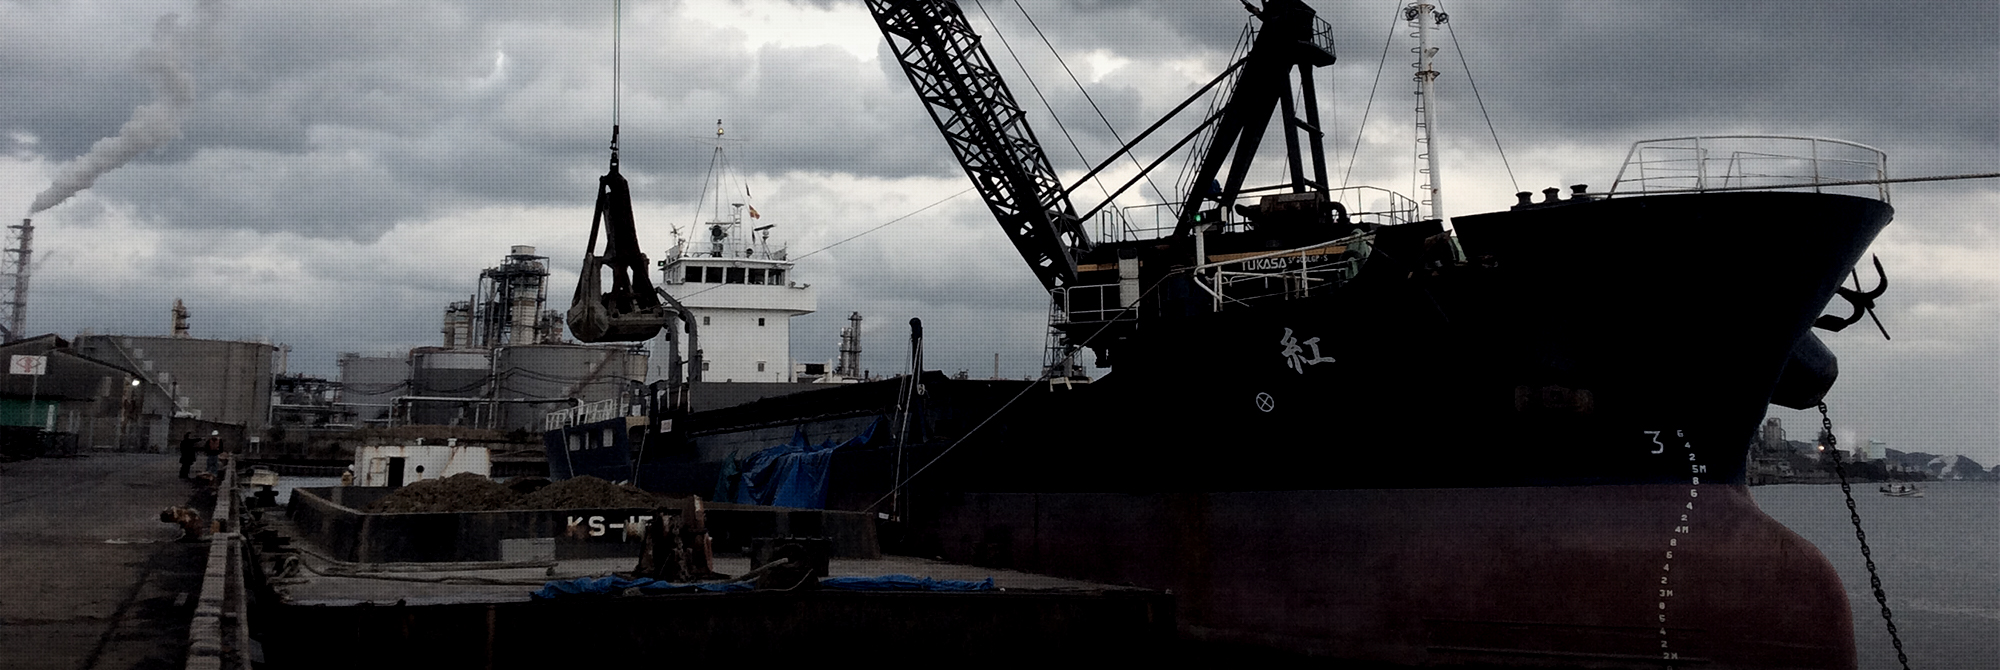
1874	581
617	61
617	74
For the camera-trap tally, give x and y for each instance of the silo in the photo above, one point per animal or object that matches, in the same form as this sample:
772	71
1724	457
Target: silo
438	375
369	384
557	373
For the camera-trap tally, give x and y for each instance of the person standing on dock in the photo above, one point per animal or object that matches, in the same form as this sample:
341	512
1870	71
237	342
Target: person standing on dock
188	446
213	448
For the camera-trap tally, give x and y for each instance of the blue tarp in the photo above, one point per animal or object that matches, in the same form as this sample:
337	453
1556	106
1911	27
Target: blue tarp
788	475
592	586
905	583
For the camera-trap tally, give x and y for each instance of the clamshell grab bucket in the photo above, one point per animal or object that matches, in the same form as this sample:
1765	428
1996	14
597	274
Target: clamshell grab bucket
631	311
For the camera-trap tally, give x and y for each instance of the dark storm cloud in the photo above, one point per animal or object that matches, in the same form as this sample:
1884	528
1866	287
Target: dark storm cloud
417	109
326	138
1879	73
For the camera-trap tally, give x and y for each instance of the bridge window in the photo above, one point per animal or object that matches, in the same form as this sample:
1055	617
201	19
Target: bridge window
735	276
757	276
693	274
777	278
714	276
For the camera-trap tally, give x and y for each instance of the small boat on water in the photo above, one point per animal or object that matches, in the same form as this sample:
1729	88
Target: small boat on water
1902	491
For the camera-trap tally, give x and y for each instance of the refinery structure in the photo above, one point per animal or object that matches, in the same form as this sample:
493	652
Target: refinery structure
502	362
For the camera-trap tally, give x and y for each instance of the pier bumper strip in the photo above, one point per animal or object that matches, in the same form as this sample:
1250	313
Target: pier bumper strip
612	585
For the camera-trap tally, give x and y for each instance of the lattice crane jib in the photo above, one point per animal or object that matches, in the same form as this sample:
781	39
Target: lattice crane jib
987	131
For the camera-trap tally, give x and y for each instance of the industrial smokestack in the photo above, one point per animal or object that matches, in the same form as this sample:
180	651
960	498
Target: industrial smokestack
23	251
180	320
153	124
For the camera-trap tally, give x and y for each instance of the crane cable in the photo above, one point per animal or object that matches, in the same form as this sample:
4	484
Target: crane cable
617	64
851	238
1087	98
1038	93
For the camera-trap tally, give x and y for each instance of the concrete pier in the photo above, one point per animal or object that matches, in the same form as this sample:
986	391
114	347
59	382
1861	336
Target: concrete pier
89	577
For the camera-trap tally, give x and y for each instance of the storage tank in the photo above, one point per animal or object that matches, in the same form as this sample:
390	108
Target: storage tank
447	373
369	384
557	373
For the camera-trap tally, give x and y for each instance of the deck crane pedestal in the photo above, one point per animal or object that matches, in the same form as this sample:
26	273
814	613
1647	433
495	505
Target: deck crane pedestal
989	135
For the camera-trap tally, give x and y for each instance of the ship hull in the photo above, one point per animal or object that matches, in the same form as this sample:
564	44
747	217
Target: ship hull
1490	462
1581	576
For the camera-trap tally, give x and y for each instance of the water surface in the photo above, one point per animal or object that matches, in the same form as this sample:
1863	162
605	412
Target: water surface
1938	557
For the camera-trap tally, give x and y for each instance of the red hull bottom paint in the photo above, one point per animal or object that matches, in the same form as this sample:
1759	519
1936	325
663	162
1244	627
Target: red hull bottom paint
1638	576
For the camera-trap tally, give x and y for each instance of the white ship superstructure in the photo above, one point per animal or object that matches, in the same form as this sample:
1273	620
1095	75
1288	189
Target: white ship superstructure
742	296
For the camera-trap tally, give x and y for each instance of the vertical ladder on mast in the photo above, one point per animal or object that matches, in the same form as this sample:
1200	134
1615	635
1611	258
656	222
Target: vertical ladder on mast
1424	18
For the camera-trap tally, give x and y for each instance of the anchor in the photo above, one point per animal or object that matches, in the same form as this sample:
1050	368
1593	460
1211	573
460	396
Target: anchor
1863	302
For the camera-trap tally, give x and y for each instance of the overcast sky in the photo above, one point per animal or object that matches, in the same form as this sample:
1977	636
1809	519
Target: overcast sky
330	175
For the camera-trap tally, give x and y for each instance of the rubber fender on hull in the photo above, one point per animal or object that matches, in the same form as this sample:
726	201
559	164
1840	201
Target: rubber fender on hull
1809	373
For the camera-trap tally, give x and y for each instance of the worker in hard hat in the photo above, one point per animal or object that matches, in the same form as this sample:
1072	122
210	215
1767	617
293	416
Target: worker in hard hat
189	445
213	447
347	476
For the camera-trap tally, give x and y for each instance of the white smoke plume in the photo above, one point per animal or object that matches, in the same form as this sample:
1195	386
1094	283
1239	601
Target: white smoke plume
153	124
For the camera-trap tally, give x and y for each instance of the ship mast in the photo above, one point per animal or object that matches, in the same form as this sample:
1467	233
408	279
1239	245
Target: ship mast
1426	19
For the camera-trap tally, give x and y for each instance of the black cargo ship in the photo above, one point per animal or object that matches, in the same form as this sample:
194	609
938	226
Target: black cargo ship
1519	440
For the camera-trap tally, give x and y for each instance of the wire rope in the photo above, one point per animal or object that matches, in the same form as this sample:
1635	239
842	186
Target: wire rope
1046	372
1462	62
1362	130
1038	93
851	238
1086	98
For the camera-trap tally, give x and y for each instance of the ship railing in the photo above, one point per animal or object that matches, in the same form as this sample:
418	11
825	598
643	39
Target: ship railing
1241	280
1705	163
1088	303
601	410
1364	204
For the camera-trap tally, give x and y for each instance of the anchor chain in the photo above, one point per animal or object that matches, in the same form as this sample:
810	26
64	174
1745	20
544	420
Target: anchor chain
1874	581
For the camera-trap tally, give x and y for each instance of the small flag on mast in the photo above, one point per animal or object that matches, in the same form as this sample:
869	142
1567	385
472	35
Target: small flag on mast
753	212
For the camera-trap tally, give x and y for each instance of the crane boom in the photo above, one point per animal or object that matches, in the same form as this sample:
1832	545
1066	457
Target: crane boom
987	131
